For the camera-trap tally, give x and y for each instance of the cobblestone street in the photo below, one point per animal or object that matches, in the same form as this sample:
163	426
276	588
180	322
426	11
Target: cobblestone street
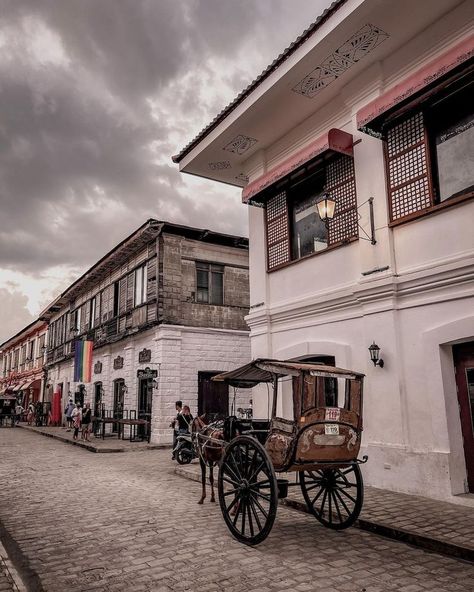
87	521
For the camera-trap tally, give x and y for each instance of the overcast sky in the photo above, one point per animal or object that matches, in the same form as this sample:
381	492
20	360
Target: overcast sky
95	97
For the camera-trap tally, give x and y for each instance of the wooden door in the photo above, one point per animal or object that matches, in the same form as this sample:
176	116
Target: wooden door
145	402
463	355
119	392
98	399
213	397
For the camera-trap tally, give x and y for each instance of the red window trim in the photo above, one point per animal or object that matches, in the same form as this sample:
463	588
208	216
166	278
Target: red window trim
332	247
436	208
334	140
368	118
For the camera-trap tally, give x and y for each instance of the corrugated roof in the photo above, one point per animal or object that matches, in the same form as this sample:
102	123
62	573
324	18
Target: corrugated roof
328	12
131	244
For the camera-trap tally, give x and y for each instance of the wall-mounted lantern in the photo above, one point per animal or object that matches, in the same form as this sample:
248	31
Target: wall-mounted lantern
326	207
374	351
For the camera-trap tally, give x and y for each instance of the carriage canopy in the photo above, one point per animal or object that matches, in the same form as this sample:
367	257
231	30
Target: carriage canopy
266	370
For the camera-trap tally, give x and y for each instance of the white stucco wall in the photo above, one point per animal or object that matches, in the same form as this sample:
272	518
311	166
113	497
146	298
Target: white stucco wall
415	310
178	353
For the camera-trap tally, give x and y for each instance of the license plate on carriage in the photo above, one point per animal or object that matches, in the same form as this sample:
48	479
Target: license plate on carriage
331	429
333	413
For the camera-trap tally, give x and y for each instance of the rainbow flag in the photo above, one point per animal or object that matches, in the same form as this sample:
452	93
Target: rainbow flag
83	361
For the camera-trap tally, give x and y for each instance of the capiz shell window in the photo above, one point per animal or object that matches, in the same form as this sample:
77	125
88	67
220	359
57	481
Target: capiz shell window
430	152
294	228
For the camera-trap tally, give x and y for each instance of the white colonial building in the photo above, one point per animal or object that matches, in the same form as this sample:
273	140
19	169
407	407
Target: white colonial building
165	310
374	100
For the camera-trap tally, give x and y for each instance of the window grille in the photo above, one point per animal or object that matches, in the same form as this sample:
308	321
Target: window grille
278	239
408	171
339	178
340	184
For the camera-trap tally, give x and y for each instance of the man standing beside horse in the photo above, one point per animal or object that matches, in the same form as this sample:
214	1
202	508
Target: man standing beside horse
175	425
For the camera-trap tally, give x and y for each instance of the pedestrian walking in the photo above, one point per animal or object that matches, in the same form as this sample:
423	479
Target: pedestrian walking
68	412
86	422
31	414
76	420
19	410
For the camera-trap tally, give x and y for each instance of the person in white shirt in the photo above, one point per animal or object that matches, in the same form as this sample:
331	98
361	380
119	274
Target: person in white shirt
76	419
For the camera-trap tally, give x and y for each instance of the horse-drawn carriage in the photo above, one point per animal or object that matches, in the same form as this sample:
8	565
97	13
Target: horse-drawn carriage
318	441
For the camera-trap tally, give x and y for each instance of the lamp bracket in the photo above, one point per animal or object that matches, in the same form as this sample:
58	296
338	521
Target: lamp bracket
370	238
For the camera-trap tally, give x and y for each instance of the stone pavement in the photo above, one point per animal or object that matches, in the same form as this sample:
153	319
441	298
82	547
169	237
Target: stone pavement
6	582
439	526
97	522
108	444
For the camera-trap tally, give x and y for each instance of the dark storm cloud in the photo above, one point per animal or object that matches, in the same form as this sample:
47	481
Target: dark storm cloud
13	313
88	121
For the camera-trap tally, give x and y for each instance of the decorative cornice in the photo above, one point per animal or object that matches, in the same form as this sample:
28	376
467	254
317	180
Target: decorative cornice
363	298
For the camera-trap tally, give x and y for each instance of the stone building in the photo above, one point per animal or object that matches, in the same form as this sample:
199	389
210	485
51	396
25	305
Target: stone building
165	309
373	100
23	356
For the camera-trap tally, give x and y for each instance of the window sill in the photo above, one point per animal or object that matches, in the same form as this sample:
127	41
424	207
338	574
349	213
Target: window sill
306	257
433	209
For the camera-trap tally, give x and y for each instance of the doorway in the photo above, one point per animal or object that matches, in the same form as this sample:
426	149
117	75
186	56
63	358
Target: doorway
79	395
119	393
98	399
463	356
145	402
213	397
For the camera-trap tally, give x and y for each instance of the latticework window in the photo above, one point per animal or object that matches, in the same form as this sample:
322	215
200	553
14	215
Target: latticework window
408	173
278	239
340	184
294	229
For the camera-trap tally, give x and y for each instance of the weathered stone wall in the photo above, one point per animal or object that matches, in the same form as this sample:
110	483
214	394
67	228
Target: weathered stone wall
178	305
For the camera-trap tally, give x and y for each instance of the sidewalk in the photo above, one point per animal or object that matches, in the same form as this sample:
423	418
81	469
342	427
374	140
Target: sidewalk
109	444
433	525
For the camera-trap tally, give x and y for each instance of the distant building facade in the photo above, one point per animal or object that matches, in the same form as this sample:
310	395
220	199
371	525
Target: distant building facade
165	310
22	365
373	100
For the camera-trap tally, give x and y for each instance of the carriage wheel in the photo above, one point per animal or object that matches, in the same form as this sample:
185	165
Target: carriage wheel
334	496
248	493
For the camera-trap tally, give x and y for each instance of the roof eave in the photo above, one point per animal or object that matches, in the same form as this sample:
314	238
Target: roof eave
324	17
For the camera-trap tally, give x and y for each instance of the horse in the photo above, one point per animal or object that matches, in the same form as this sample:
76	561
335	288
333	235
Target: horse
210	446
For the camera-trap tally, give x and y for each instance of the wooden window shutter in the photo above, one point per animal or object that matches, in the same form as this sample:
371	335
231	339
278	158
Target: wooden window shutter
122	295
408	168
278	233
87	314
151	284
130	290
84	320
107	303
340	184
98	306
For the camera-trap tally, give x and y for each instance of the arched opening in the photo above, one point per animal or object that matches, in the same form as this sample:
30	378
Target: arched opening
463	357
80	395
119	400
98	396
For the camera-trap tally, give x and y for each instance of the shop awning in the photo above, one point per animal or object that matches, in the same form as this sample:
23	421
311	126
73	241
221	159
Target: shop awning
18	387
415	88
335	140
33	383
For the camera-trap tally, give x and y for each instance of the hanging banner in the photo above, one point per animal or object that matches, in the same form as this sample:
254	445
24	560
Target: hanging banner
83	361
